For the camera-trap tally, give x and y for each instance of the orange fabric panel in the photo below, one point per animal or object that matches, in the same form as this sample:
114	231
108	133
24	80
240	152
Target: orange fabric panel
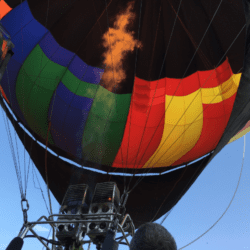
4	9
4	95
4	49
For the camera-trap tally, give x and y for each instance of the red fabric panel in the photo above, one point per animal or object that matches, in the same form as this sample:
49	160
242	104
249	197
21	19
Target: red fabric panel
147	109
215	119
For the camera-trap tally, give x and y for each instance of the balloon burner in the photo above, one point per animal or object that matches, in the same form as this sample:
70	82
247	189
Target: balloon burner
100	215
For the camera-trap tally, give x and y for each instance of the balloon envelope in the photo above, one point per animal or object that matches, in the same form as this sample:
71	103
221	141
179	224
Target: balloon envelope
129	87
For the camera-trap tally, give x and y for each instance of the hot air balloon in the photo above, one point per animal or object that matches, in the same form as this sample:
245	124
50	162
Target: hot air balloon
139	93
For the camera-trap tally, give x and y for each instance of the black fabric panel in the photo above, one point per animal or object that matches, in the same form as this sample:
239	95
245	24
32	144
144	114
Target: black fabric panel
227	25
153	193
79	27
13	3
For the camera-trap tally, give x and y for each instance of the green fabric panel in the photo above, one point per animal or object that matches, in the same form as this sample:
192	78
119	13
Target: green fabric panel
105	126
79	87
107	119
35	87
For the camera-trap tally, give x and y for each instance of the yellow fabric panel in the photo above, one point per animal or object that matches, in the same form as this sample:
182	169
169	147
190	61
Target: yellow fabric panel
184	121
221	92
239	135
187	112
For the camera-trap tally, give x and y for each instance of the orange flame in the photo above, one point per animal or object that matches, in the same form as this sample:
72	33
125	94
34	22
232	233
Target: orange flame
118	41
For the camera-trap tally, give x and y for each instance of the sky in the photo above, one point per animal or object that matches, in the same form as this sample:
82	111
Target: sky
194	214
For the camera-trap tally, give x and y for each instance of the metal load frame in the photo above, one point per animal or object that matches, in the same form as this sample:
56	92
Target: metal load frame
77	213
77	219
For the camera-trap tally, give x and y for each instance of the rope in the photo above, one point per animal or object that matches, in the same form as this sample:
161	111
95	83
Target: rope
46	169
33	171
17	167
242	164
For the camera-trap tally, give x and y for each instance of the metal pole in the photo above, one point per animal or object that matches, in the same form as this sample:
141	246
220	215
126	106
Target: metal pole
39	238
124	234
89	245
53	237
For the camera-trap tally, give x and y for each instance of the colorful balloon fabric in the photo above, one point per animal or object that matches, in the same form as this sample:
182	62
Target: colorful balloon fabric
127	86
154	117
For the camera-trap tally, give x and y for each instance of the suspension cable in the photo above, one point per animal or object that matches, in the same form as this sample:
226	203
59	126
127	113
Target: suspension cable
33	171
17	167
236	189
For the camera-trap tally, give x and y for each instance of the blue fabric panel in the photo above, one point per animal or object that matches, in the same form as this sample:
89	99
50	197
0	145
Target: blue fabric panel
69	116
93	75
26	39
66	58
25	33
17	18
78	68
55	52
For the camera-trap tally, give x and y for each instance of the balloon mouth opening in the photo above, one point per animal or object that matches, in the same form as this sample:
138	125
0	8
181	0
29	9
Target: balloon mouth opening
89	168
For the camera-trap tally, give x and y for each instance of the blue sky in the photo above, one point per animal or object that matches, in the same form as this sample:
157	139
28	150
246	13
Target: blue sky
196	212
